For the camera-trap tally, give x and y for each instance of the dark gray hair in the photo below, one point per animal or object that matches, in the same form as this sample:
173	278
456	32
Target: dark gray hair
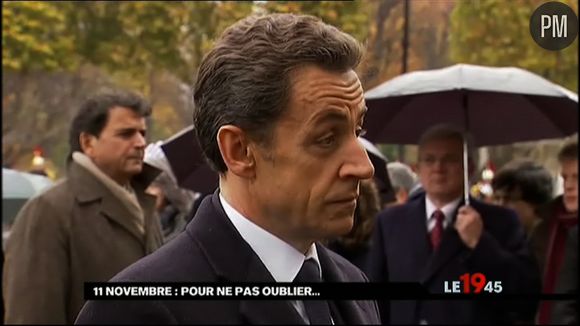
569	152
245	79
401	176
532	180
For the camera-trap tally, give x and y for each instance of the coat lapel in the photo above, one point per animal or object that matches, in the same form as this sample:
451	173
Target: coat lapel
265	312
153	235
410	243
233	260
348	311
116	211
450	246
89	189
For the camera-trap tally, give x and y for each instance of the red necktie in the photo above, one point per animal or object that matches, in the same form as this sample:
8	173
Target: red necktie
437	231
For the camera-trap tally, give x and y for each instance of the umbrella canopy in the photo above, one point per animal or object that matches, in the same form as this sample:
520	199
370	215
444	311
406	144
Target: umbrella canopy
496	105
192	171
17	188
16	184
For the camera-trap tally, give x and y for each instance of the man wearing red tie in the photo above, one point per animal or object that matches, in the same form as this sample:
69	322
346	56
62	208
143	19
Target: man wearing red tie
435	238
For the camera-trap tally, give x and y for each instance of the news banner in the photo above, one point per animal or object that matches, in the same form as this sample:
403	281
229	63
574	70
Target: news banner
467	286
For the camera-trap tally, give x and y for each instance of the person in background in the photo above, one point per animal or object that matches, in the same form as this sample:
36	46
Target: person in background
403	179
278	113
355	245
174	203
559	217
526	187
436	238
92	224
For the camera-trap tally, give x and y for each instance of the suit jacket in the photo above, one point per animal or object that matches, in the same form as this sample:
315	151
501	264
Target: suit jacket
211	250
76	231
566	312
401	252
540	237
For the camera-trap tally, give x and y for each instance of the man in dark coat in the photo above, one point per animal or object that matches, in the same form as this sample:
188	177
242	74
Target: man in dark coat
435	238
550	237
91	225
278	110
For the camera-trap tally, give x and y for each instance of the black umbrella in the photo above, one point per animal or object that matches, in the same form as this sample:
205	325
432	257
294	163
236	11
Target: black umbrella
192	171
188	164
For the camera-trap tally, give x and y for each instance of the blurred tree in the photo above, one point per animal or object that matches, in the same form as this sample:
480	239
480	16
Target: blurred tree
428	32
137	44
140	42
350	16
138	37
496	33
34	37
499	35
37	109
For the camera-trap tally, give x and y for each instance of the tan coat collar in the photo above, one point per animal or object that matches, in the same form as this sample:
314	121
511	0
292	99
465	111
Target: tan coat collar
87	188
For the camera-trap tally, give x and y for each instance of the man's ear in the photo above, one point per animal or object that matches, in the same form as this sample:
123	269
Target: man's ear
402	196
236	152
87	142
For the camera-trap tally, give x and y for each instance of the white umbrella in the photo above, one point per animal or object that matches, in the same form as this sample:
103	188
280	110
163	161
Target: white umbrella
496	105
17	188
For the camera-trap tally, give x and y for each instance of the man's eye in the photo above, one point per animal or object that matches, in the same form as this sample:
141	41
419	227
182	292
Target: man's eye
361	132
327	141
127	134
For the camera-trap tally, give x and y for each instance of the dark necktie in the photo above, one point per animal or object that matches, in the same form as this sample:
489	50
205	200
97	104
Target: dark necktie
437	231
317	310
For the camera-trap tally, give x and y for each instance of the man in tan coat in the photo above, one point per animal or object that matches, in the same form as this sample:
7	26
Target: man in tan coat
91	225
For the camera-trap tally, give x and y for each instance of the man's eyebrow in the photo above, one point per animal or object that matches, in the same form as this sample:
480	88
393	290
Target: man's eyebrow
124	130
328	115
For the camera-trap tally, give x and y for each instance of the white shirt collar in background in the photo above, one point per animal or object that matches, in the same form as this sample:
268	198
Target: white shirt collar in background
448	210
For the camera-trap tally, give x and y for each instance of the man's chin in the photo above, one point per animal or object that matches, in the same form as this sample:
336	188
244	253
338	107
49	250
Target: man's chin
340	226
571	205
134	170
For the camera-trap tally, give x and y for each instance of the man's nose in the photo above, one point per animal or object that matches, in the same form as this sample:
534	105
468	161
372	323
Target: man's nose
140	140
438	165
357	163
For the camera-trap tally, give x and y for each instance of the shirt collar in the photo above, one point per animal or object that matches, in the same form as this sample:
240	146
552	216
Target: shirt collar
281	259
448	209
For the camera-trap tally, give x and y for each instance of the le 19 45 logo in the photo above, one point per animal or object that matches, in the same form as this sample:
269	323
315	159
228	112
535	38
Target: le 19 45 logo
472	283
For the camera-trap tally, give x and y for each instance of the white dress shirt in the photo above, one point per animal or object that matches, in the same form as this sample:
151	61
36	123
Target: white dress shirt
447	210
281	259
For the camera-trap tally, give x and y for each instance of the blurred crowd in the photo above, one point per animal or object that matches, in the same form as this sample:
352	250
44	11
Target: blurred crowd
161	209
